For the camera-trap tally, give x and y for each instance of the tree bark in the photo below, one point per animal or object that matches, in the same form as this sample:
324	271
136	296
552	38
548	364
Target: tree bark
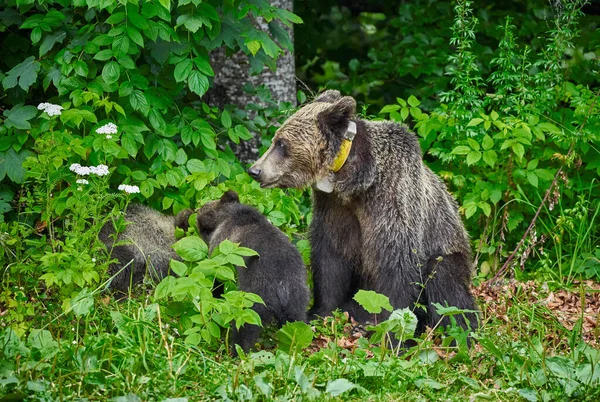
232	73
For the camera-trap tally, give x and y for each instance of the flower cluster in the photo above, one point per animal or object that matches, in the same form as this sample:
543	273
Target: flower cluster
129	189
82	181
100	170
50	108
108	129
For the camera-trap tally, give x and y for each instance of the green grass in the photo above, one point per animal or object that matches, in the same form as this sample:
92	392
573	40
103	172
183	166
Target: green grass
133	351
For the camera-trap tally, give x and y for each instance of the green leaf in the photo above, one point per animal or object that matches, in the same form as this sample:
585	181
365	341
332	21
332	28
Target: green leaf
475	122
135	36
372	301
544	174
198	83
473	157
518	149
139	102
183	70
103	55
461	150
11	164
339	386
25	74
191	22
485	207
19	116
178	267
138	21
226	119
165	3
473	144
487	143
204	66
412	101
115	18
490	157
285	16
82	303
111	72
253	46
496	195
532	178
49	41
191	248
389	108
532	164
293	337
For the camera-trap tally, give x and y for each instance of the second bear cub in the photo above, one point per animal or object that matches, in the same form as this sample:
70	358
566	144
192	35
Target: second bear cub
277	274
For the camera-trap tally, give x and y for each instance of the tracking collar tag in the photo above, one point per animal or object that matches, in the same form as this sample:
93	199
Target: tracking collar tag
326	183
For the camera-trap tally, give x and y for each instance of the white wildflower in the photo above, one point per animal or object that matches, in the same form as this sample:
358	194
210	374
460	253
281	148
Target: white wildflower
50	108
129	189
93	260
108	128
82	181
100	170
108	136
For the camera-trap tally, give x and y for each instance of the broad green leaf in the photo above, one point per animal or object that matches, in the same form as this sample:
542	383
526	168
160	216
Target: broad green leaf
412	101
293	337
461	150
389	108
183	70
226	119
103	55
198	83
82	303
518	149
339	386
19	116
191	248
253	46
372	301
24	74
135	36
111	72
473	157
532	178
178	267
532	164
11	164
474	122
485	207
490	157
487	143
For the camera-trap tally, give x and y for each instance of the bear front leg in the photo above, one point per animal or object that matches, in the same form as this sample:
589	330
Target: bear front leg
331	273
450	277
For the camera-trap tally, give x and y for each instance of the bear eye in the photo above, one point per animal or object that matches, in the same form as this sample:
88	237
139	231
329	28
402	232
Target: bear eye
279	143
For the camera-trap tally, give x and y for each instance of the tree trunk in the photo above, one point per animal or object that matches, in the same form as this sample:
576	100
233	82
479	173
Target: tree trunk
232	73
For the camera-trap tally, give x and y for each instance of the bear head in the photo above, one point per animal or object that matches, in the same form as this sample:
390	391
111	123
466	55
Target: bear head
307	144
213	213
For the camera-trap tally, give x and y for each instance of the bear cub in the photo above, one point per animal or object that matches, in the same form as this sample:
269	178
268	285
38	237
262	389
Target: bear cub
150	236
277	274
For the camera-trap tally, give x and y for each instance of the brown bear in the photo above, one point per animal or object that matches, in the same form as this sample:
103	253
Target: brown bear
277	274
150	236
382	220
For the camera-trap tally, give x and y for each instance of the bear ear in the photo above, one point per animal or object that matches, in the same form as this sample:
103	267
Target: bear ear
230	196
329	96
335	117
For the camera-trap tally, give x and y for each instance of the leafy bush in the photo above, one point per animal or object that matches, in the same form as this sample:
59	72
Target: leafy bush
509	142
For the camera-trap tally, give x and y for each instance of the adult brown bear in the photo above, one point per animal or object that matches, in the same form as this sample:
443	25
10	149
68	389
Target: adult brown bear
382	220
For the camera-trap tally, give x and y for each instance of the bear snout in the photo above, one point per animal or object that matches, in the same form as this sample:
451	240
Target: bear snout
254	172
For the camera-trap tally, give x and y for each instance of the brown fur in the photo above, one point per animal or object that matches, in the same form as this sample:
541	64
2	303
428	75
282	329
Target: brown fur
389	225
